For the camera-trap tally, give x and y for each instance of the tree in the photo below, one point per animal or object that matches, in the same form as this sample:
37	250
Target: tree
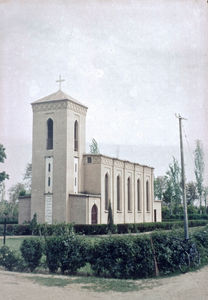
2	191
160	185
110	217
94	147
3	174
191	193
173	192
199	170
205	197
28	177
15	191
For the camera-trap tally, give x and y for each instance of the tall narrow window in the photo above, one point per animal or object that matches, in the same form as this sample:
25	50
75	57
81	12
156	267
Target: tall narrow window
94	214
49	181
50	134
106	191
75	136
147	196
118	193
49	167
129	193
138	196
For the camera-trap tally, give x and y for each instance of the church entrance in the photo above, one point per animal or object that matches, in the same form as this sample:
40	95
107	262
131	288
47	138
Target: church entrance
94	214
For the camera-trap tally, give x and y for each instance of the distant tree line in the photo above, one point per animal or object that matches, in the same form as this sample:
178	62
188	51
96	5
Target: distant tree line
168	187
9	207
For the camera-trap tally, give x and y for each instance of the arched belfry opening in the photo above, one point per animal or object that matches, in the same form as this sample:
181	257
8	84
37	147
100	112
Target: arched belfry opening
94	214
76	136
50	134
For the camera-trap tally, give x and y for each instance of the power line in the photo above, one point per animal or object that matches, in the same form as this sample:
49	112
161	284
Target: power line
188	144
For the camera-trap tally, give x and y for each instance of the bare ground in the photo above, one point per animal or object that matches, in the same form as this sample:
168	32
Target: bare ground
193	285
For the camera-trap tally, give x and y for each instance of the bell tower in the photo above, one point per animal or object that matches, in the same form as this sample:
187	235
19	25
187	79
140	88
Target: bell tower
57	151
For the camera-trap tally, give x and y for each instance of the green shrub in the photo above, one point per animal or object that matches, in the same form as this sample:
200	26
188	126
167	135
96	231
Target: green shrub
73	253
53	253
9	220
201	238
122	257
16	229
53	229
32	250
69	252
8	258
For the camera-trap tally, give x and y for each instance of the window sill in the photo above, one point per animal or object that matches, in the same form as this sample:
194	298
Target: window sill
119	211
139	211
129	211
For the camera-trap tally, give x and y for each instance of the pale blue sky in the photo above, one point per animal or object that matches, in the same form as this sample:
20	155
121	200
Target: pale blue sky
133	63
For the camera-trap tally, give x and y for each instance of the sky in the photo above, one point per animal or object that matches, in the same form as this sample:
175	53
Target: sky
133	63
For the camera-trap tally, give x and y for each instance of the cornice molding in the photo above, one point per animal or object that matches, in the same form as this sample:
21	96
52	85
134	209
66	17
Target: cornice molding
60	104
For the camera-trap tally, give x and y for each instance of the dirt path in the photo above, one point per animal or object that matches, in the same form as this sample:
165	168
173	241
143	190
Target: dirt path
20	286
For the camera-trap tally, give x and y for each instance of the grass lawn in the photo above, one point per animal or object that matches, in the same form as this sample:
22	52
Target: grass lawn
96	284
13	242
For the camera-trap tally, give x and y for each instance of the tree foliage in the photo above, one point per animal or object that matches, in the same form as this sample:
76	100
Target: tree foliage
28	177
199	169
3	175
191	193
173	193
15	191
94	147
160	185
110	216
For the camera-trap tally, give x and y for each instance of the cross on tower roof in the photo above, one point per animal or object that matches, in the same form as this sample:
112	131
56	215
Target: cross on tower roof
60	81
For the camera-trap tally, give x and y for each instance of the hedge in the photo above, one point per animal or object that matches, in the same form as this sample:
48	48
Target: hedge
9	220
99	229
190	217
134	228
134	256
16	229
67	252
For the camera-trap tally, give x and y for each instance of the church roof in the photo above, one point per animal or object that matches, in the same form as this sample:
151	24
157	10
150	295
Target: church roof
59	95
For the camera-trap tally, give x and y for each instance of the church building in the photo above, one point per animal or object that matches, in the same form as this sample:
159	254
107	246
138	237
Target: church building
70	185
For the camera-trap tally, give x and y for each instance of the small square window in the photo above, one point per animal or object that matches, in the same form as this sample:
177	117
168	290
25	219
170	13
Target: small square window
89	160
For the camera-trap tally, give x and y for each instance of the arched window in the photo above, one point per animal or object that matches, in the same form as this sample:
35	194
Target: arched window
138	196
129	193
118	193
75	136
94	213
147	196
106	191
50	134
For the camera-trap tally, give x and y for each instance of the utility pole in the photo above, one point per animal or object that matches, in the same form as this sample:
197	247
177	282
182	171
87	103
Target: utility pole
186	233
